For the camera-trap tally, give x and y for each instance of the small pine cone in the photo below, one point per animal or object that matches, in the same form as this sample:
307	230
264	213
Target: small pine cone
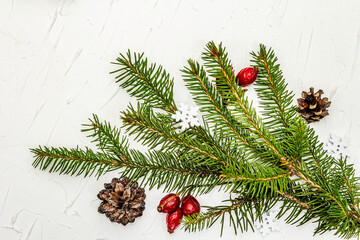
312	107
122	200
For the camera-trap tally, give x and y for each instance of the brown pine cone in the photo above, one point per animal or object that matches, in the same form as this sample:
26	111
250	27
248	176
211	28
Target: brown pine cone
122	200
312	107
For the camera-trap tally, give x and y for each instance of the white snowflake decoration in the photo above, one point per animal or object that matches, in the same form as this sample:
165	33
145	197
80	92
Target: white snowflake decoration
187	116
269	223
337	146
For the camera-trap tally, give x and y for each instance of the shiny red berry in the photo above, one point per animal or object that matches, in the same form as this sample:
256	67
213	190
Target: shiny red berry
169	203
247	76
173	220
190	205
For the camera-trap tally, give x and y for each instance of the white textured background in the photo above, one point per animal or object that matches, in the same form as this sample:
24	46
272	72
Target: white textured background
54	62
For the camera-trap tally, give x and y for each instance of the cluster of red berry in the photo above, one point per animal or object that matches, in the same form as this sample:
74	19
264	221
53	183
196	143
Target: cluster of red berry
170	204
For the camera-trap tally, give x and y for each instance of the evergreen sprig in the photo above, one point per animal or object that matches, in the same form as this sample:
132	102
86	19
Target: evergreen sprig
145	80
272	91
259	158
73	161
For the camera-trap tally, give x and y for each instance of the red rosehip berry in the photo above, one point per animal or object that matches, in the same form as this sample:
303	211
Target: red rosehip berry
190	205
169	203
247	76
173	220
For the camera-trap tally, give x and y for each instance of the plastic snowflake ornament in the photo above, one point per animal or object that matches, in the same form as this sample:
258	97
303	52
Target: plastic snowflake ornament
187	116
337	146
269	223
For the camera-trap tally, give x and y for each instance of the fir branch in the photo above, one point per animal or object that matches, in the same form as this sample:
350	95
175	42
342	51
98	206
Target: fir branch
145	81
326	175
295	200
316	157
107	138
215	112
74	161
148	83
255	179
160	169
221	144
172	171
334	210
295	141
236	150
351	182
296	210
157	167
271	88
219	66
146	125
240	212
276	101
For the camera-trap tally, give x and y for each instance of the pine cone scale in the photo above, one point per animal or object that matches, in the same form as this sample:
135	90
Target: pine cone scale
313	106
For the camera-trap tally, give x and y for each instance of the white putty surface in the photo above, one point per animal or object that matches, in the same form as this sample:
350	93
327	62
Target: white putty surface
54	62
